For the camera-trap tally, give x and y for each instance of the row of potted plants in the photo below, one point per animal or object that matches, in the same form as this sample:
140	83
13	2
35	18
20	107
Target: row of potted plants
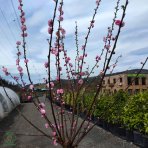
126	116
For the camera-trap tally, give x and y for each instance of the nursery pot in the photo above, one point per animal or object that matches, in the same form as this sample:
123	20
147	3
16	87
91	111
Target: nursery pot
129	135
145	141
122	132
138	138
105	125
100	122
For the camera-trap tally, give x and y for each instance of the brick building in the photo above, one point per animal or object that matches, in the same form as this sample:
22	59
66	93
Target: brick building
121	80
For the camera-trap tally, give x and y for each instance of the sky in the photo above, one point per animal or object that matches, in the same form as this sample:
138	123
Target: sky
132	43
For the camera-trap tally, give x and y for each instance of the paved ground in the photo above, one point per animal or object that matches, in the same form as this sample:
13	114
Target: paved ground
97	138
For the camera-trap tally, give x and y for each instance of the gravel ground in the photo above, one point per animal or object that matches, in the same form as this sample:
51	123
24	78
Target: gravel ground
17	129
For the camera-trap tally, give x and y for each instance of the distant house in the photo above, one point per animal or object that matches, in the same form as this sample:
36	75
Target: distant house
121	80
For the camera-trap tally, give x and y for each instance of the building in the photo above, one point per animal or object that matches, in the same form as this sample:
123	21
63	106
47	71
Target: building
126	80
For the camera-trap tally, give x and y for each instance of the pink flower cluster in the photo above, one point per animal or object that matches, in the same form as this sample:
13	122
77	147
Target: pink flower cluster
20	69
46	64
98	1
29	98
50	24
42	109
31	86
23	19
61	13
60	91
119	23
18	43
5	70
98	58
16	78
80	82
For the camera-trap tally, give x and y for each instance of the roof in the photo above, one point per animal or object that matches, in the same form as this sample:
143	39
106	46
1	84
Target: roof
133	71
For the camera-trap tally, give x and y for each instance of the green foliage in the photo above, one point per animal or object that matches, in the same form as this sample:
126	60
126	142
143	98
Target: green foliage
136	112
118	108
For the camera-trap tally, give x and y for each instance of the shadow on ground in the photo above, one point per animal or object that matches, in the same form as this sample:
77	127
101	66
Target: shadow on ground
7	122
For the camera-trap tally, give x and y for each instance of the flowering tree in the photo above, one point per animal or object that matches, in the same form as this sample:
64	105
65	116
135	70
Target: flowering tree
65	128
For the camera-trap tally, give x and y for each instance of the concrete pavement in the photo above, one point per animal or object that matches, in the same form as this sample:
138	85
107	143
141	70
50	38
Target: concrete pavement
97	138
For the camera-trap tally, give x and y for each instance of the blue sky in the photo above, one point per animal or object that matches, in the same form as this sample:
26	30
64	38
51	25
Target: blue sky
133	44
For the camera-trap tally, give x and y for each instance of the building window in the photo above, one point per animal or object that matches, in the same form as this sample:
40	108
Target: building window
120	80
114	80
108	81
137	91
130	91
129	80
143	81
137	81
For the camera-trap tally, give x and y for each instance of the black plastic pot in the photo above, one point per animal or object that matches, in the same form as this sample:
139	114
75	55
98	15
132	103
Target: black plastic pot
121	132
105	125
145	141
112	128
129	135
100	122
138	138
94	119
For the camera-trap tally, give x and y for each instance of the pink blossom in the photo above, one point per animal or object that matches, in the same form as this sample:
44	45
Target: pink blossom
31	86
50	30
55	142
42	105
61	18
22	13
4	69
54	133
81	58
119	23
98	58
60	91
57	78
23	20
98	1
25	34
46	125
20	69
26	61
42	111
19	53
23	27
63	32
67	59
18	43
19	8
80	82
15	78
29	97
51	84
81	73
50	23
17	62
107	47
70	64
46	64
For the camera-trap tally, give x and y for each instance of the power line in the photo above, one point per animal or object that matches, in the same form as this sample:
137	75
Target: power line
16	15
8	24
